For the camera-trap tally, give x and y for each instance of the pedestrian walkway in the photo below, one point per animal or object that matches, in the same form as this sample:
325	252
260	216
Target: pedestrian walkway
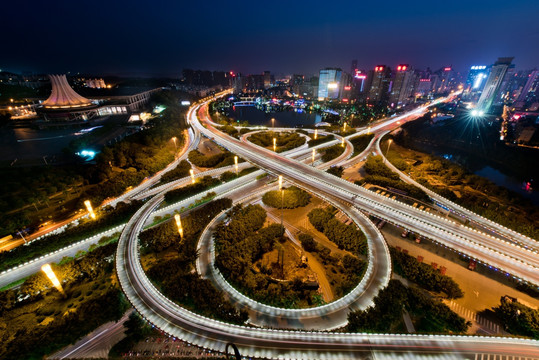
473	316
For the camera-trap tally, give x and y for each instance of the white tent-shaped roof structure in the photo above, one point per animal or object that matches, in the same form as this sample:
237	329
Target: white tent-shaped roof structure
63	96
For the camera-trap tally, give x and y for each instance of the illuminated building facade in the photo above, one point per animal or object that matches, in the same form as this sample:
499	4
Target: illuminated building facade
380	85
530	91
329	84
494	81
476	79
64	103
402	86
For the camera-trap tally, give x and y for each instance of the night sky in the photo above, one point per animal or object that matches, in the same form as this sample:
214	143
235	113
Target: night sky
162	37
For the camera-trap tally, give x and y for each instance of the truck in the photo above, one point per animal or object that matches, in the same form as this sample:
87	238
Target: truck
472	264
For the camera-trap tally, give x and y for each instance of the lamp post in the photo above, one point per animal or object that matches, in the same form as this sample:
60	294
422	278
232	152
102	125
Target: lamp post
175	144
315	133
344	127
179	224
368	130
236	164
88	205
342	143
275	144
192	172
388	145
52	277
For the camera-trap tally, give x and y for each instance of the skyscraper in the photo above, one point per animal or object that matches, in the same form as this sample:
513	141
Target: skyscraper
443	79
329	84
494	80
530	91
353	68
402	86
476	78
381	79
267	79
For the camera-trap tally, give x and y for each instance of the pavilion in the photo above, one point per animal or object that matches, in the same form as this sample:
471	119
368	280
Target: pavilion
64	103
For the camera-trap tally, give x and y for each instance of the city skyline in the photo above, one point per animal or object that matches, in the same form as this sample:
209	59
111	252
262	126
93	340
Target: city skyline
249	38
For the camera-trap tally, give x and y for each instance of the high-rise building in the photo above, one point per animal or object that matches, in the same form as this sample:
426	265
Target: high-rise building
353	68
530	91
267	79
476	78
494	80
509	85
443	79
402	86
380	84
360	85
345	87
475	82
329	84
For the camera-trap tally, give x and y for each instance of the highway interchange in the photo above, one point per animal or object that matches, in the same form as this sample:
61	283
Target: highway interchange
492	244
504	251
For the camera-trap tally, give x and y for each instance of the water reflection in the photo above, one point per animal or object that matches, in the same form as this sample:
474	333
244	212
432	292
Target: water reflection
287	118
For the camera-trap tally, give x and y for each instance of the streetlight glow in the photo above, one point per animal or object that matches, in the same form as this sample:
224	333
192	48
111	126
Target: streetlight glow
280	182
52	277
314	153
388	145
344	129
179	224
342	144
315	133
236	164
192	172
274	144
88	205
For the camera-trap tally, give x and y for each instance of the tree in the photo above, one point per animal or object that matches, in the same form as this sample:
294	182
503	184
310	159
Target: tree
307	242
292	198
336	170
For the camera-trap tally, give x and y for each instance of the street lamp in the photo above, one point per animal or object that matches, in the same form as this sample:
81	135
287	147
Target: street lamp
315	133
275	144
175	145
88	205
52	277
388	145
236	164
179	224
344	127
342	143
368	130
192	172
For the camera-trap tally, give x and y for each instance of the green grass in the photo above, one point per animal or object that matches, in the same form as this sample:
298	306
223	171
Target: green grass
13	284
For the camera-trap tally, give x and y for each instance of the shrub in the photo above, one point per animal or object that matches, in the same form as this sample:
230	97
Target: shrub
307	242
292	198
